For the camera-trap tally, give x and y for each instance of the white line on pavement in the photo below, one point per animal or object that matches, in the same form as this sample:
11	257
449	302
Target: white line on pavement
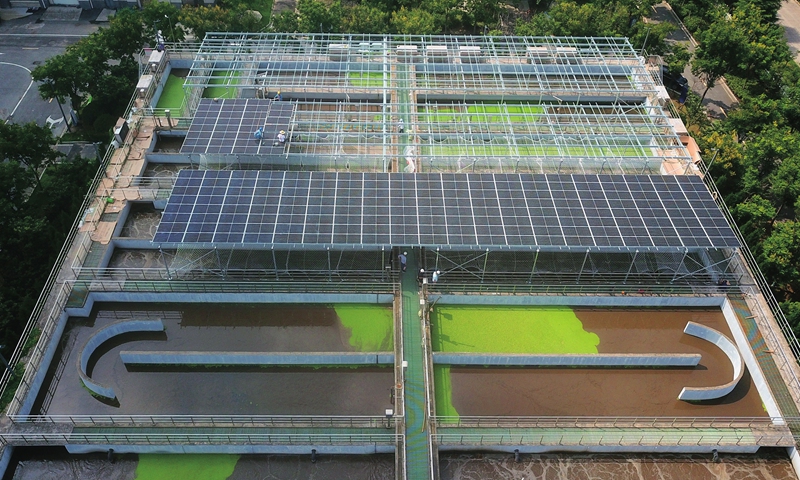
26	90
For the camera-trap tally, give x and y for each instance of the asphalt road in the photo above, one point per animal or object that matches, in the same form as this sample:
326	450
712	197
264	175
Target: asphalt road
719	99
24	44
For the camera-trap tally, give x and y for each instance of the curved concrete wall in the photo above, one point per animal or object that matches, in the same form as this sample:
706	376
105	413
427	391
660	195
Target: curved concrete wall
729	348
104	335
626	360
253	358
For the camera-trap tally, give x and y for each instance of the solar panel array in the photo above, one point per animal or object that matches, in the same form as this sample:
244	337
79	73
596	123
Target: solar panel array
227	126
598	212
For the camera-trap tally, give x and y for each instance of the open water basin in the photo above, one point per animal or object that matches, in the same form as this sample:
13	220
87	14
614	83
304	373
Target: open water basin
582	391
767	464
314	390
56	464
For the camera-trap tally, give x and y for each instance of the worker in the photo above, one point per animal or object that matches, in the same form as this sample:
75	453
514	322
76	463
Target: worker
278	96
282	137
435	276
259	133
403	257
400	126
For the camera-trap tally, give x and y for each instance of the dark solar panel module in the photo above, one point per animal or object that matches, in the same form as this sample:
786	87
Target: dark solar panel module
227	126
561	212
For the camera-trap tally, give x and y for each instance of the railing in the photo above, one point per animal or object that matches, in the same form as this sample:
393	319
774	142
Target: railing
617	439
631	289
751	265
611	422
31	439
47	325
228	275
263	421
157	286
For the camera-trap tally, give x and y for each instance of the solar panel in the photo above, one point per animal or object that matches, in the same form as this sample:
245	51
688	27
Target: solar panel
596	212
227	126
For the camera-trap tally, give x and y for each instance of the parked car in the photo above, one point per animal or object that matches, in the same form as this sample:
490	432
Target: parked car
676	83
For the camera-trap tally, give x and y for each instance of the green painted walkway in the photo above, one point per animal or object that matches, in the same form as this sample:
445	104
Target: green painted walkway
418	455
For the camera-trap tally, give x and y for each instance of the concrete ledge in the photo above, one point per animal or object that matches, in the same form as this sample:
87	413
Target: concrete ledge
625	360
580	300
102	336
710	393
367	449
253	358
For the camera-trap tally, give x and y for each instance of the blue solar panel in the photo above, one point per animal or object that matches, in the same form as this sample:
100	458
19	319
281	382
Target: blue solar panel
265	208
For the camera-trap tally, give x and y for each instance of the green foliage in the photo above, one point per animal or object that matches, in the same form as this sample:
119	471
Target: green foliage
162	16
414	21
316	17
364	18
678	58
780	257
286	21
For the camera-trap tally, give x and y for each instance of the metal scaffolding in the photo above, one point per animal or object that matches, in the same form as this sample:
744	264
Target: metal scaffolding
445	103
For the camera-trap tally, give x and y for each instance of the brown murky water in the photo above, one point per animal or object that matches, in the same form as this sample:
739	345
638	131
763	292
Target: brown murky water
614	392
53	466
772	465
265	328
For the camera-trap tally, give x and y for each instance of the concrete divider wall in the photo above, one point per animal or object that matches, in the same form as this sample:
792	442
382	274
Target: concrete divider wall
580	300
104	335
730	350
654	360
253	358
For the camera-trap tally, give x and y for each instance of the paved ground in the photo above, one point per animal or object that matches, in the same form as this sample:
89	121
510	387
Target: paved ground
789	18
719	99
27	42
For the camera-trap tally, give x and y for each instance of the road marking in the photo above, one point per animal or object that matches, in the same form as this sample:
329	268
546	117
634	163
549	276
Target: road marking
43	35
26	90
30	48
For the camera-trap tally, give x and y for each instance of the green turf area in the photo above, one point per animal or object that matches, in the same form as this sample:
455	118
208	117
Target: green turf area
185	467
365	79
500	329
371	326
218	85
172	95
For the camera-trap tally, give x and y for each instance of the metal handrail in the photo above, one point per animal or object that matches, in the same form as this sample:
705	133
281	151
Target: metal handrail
315	421
199	438
610	421
551	288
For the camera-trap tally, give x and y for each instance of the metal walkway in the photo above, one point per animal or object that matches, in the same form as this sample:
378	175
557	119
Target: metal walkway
418	455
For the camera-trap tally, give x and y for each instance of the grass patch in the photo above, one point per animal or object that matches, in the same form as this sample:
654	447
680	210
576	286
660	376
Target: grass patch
365	79
185	467
13	384
371	326
172	96
219	85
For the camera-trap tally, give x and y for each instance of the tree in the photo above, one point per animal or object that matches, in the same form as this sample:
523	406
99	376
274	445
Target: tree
780	257
414	21
28	145
162	16
201	20
124	36
754	217
315	17
720	50
482	13
286	21
364	18
63	76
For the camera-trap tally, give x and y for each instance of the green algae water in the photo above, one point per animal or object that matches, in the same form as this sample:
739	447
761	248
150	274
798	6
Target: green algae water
371	326
501	329
185	467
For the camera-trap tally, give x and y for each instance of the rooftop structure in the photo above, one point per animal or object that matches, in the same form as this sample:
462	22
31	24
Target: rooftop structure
316	249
